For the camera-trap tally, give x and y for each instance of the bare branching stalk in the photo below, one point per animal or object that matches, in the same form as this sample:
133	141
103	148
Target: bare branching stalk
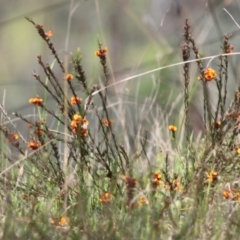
186	54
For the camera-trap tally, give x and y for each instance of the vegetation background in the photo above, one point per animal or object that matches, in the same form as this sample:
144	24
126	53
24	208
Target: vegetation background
140	36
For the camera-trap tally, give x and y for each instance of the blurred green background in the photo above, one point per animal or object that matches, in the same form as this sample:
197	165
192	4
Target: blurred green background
140	34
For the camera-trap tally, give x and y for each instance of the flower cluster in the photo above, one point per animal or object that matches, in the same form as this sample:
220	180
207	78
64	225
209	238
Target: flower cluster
217	124
107	123
62	221
238	150
209	75
34	145
37	101
75	100
142	200
68	77
176	185
106	197
79	121
157	181
38	131
101	52
12	137
212	176
49	33
232	194
172	128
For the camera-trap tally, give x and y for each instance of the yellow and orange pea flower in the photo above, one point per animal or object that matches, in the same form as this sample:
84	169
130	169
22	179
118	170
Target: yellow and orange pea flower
107	123
49	33
101	52
172	128
176	185
79	121
217	124
77	118
157	179
37	101
105	197
75	100
238	150
212	176
62	221
12	137
209	75
38	132
34	145
231	194
84	132
142	200
228	193
68	77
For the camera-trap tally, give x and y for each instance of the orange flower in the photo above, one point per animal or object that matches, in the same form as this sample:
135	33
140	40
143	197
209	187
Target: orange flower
38	132
107	123
77	120
212	176
52	221
231	194
74	125
85	123
210	74
142	200
157	176
34	144
84	132
227	194
64	221
15	136
236	196
101	52
68	77
172	128
49	33
75	100
238	150
130	182
176	185
105	197
157	179
36	101
217	124
12	137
